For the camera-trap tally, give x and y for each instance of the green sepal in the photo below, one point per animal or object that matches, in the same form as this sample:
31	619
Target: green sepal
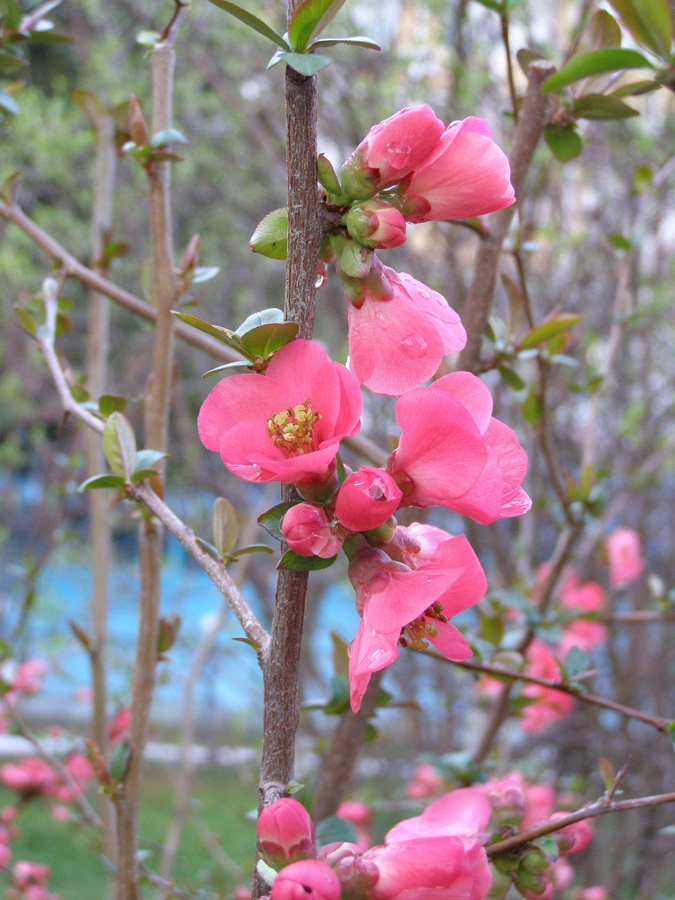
356	260
326	175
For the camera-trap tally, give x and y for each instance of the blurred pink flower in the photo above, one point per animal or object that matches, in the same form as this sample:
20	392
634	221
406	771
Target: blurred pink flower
583	634
539	801
360	815
30	776
29	675
507	798
309	879
400	332
424	783
390	151
466	174
591	893
624	553
550	705
587	597
308	530
468	461
410	603
118	725
572	838
366	499
285	425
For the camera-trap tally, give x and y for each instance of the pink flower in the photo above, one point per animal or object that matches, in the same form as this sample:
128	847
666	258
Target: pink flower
583	634
29	777
286	832
587	597
424	783
462	813
308	530
390	151
360	816
625	557
572	838
410	602
28	677
26	873
550	705
507	799
309	879
376	224
400	332
366	499
285	425
469	461
466	174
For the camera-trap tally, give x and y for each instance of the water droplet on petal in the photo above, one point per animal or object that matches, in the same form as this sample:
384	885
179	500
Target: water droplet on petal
398	154
382	319
414	346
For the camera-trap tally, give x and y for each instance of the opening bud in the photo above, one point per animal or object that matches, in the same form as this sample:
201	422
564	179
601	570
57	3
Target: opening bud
286	833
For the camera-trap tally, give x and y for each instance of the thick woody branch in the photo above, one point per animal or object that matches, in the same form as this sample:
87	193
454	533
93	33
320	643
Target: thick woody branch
528	131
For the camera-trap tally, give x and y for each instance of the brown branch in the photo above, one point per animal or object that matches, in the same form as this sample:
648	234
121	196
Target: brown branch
528	131
600	808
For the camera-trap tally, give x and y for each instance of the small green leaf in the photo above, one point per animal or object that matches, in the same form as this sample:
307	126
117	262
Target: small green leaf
310	18
307	64
355	259
110	403
493	5
9	62
145	459
101	481
340	655
210	549
356	41
224	335
326	175
271	520
119	445
83	638
294	786
595	63
334	829
643	178
168	136
148	39
564	143
619	242
264	340
270	237
253	548
24	318
270	316
225	526
204	273
607	772
512	378
252	21
603	30
142	475
233	365
576	662
8	103
296	563
339	699
636	89
602	107
648	21
549	328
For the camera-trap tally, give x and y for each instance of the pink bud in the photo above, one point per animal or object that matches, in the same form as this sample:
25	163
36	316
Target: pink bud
572	838
309	879
307	530
507	798
367	499
286	832
376	224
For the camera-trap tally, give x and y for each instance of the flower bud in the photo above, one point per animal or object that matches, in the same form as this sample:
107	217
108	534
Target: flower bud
309	879
308	531
572	838
376	224
507	799
367	499
286	832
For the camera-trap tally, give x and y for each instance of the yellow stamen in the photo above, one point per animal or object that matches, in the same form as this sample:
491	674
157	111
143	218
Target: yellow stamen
291	430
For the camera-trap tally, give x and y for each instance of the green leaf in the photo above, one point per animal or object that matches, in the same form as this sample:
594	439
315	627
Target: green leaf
168	136
307	64
148	39
270	316
602	107
564	143
110	403
252	21
310	18
594	63
142	475
270	237
643	178
356	41
296	563
549	328
340	654
355	259
603	30
526	57
267	873
532	407
9	62
119	445
636	89
233	365
271	520
224	335
24	318
145	459
8	103
619	242
225	526
512	378
264	340
607	772
253	548
326	175
334	829
648	21
339	699
101	481
493	5
576	662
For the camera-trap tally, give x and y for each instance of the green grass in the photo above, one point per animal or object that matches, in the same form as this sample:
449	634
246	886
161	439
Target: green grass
216	829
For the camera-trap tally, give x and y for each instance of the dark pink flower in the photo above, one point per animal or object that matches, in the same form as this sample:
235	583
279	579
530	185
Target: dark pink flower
286	832
466	174
308	530
366	499
285	425
390	151
462	813
309	879
400	332
625	557
410	604
469	461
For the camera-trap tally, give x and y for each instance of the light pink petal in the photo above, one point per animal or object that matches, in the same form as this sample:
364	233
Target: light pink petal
472	393
337	393
371	650
400	143
407	596
295	364
235	399
464	812
451	642
483	501
513	462
472	585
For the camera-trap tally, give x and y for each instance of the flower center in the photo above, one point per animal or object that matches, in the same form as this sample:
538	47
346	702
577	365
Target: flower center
417	632
291	430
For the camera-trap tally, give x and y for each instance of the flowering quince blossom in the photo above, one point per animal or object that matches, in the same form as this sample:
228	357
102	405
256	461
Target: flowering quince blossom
469	461
366	499
624	553
410	601
466	174
308	879
463	813
286	832
550	705
307	529
285	425
399	331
